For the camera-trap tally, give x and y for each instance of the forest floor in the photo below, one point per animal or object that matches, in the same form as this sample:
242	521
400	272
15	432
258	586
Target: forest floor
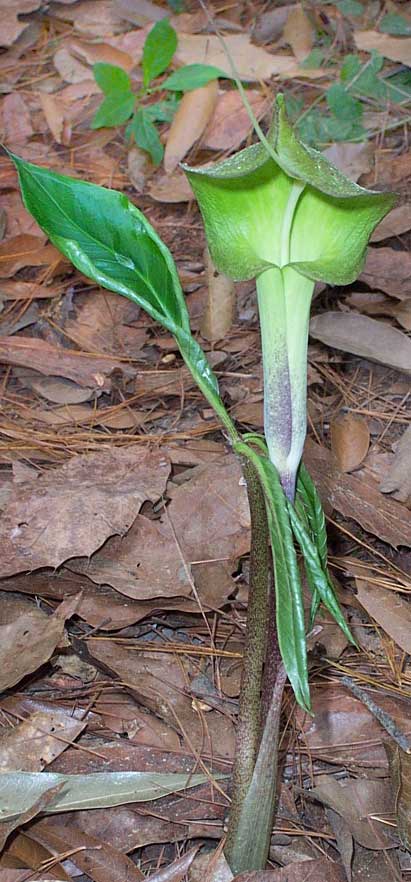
125	527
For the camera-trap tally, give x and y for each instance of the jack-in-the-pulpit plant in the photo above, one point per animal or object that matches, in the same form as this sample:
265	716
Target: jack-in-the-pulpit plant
280	213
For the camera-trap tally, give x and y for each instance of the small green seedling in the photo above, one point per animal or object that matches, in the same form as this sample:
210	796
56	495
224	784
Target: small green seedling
122	105
278	212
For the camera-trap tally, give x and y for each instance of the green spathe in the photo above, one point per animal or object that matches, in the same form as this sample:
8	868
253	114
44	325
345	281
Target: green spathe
280	212
246	200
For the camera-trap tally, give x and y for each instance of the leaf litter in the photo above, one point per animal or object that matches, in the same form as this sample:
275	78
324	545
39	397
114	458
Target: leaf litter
125	526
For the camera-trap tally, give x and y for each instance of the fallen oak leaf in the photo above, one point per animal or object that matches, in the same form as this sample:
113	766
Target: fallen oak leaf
363	336
25	644
194	112
398	477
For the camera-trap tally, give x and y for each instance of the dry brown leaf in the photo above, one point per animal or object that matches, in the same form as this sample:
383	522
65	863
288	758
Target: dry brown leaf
176	871
139	12
389	610
252	62
358	499
299	33
48	359
90	18
69	67
399	474
55	389
230	123
73	509
400	768
26	644
194	112
171	188
350	440
394	48
374	303
220	307
160	683
138	167
388	270
93	53
7	827
53	109
353	159
32	744
104	323
16	121
11	26
398	221
358	801
26	250
93	856
207	520
363	336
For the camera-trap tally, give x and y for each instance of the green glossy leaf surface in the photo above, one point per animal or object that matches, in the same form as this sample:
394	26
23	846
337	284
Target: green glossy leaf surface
111	78
159	48
395	24
192	76
107	238
146	135
162	111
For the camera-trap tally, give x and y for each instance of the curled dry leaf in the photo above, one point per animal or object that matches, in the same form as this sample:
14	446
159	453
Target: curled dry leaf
358	801
352	159
194	112
11	26
394	48
388	609
388	270
73	509
94	53
398	477
299	32
17	125
26	250
398	221
231	123
252	62
171	188
53	109
322	870
350	440
358	498
34	743
363	336
219	313
176	871
25	644
400	768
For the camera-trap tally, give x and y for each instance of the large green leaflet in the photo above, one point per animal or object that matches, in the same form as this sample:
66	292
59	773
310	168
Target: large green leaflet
109	240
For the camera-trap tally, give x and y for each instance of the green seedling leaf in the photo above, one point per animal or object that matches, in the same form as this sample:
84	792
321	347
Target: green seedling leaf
111	78
115	110
342	104
192	76
159	48
245	201
162	111
21	790
395	24
289	604
146	135
119	102
350	7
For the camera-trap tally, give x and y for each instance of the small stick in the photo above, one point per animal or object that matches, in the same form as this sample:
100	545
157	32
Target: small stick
383	718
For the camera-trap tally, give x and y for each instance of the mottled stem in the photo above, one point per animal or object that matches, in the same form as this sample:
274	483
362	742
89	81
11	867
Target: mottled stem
249	718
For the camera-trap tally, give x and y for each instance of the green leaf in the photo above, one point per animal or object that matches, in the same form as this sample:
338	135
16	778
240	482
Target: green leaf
317	576
146	135
289	604
395	24
21	790
107	238
342	104
162	111
159	48
192	76
111	78
350	7
115	110
314	58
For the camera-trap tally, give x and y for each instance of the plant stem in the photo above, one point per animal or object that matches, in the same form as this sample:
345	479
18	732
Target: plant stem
249	718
